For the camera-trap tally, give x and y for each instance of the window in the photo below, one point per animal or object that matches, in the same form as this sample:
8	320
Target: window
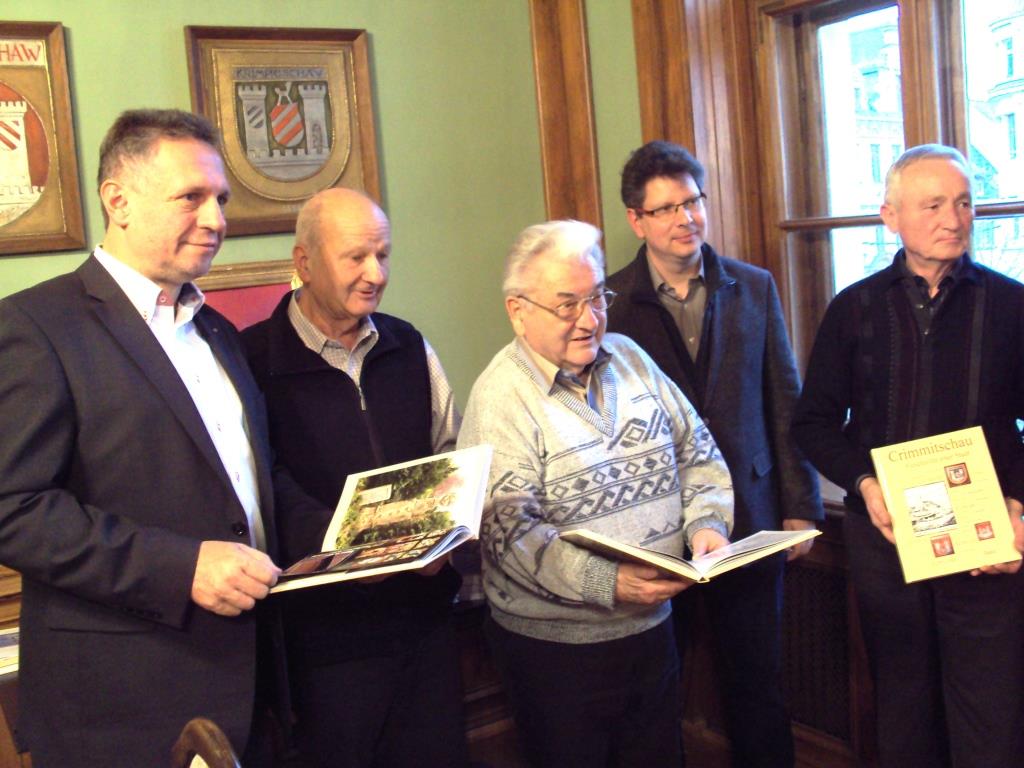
860	97
993	98
842	88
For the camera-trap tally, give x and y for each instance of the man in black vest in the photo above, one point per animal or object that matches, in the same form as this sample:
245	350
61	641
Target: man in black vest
374	665
715	326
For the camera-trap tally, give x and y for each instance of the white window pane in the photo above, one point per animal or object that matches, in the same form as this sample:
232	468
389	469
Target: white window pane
999	244
860	77
860	251
993	45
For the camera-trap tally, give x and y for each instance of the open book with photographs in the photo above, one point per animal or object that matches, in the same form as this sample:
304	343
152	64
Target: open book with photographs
398	518
699	569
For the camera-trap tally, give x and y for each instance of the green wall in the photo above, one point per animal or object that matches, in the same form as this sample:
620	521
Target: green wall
456	135
616	116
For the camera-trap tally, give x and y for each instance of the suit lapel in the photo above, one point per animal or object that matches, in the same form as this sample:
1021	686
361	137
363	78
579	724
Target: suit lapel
129	330
720	286
716	311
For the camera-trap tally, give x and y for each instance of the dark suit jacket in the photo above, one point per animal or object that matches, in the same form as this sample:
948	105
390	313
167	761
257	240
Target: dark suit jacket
108	484
751	386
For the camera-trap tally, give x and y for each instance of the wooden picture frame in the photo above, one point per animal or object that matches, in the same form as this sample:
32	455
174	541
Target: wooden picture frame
295	112
248	274
247	293
40	198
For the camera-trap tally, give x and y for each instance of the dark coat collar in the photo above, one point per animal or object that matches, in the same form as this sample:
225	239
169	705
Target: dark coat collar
716	274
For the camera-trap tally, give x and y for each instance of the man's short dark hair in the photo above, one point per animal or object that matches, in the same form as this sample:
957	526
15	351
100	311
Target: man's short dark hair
135	133
654	159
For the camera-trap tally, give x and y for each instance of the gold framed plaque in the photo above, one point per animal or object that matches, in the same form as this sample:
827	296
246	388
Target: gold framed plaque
295	113
40	200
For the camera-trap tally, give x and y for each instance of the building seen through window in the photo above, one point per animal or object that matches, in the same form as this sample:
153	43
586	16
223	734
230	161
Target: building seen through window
859	59
861	98
993	30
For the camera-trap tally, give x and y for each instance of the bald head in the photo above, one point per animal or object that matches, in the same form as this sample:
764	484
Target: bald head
341	253
336	203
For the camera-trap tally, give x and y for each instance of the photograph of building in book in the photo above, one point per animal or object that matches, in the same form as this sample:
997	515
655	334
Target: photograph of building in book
401	503
397	518
383	521
930	508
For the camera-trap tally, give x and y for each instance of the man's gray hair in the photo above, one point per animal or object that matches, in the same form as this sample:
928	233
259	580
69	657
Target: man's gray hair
916	155
135	134
562	240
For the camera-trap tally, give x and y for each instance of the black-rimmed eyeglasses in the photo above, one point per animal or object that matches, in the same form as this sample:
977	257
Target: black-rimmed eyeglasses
573	308
665	212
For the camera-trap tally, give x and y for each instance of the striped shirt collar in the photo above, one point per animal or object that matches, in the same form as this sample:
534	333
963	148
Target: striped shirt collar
547	374
316	340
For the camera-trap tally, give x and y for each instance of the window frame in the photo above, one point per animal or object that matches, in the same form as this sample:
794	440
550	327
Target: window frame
792	142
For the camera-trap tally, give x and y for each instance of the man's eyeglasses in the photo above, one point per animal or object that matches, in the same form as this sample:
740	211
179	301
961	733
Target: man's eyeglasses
666	212
573	308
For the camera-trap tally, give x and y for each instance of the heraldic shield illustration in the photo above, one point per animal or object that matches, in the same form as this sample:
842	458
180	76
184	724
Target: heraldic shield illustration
287	127
295	110
40	200
24	156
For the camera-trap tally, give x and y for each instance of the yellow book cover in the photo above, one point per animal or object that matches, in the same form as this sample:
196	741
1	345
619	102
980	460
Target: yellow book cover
948	512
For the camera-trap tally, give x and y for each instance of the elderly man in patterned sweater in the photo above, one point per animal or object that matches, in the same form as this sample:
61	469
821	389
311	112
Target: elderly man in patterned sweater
587	433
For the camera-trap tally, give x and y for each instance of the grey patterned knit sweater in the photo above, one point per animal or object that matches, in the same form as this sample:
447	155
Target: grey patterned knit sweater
644	471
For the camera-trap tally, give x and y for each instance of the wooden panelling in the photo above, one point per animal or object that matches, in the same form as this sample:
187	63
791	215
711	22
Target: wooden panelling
924	43
694	73
565	109
663	71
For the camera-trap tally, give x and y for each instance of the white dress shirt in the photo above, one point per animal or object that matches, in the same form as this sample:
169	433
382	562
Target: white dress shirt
209	385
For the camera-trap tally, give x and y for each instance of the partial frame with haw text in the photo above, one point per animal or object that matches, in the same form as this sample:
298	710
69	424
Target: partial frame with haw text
295	110
40	197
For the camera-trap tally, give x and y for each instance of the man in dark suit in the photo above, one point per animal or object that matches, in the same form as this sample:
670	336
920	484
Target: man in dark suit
715	326
134	470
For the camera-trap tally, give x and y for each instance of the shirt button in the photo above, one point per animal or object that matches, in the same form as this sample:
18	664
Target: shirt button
239	529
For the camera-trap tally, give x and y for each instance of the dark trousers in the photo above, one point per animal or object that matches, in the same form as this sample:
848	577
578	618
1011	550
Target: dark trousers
744	609
598	704
399	709
947	658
